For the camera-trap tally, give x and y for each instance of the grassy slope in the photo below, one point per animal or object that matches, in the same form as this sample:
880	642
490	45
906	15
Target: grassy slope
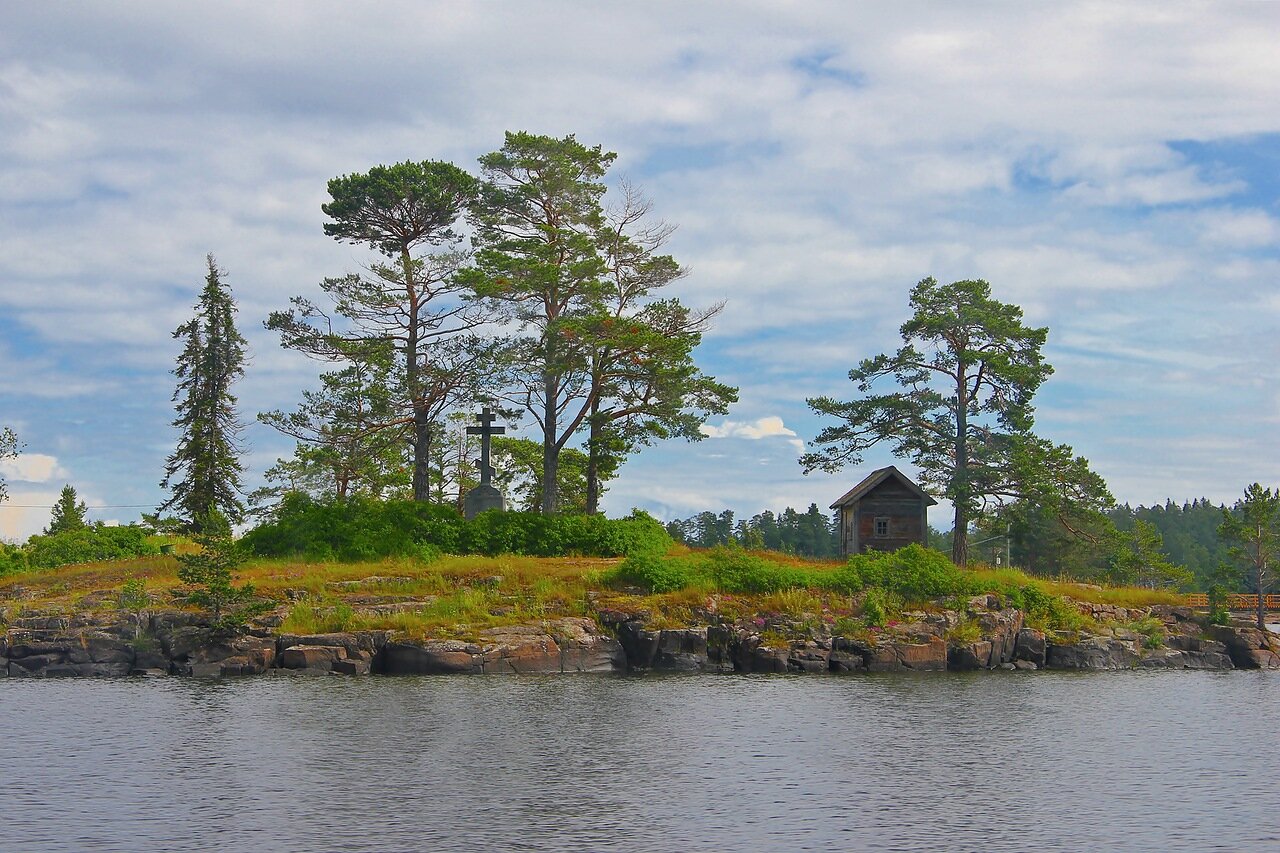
456	596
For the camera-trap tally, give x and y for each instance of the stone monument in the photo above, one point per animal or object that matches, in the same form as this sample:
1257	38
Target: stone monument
484	496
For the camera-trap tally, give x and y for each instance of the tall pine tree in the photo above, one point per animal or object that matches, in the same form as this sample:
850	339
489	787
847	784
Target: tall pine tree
68	513
203	473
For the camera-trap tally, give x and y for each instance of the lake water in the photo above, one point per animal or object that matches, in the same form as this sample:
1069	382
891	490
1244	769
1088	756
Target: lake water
991	761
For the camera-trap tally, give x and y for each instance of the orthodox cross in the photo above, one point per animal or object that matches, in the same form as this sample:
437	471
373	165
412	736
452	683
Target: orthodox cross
485	430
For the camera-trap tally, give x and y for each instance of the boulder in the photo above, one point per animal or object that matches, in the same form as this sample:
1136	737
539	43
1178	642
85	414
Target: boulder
520	649
1030	646
583	648
1248	647
223	655
849	655
895	654
682	650
1002	629
1092	653
976	655
312	658
809	657
430	657
639	645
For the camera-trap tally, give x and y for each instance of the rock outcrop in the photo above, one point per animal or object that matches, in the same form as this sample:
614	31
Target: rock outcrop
978	636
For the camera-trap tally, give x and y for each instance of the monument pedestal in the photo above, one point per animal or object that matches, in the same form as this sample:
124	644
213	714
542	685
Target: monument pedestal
482	498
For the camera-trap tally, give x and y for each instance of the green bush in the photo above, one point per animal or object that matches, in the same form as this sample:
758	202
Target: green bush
914	572
366	529
12	559
655	573
880	606
89	544
846	579
735	570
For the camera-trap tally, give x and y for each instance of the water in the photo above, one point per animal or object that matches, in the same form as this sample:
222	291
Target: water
1046	761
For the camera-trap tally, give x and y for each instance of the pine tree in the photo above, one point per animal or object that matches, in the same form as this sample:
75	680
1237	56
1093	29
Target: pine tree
204	471
68	513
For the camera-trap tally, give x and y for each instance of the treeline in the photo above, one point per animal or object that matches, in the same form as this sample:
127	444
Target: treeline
1166	544
807	534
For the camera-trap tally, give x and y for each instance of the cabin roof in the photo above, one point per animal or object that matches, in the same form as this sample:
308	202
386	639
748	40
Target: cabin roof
874	479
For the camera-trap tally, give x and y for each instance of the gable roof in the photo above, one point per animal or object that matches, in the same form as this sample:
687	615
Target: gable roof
875	479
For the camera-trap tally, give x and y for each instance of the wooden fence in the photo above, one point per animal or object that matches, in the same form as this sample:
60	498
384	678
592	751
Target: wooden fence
1235	601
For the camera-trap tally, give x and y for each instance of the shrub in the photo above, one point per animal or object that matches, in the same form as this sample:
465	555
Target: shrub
366	529
846	579
654	573
914	572
89	544
880	606
965	632
735	570
12	559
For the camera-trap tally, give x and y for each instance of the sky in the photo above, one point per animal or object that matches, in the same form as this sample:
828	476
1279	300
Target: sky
1111	167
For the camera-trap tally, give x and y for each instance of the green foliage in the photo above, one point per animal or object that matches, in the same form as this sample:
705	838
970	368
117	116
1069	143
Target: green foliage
1140	560
134	600
961	409
12	559
656	574
1189	537
881	606
1219	612
518	474
965	632
210	569
204	470
366	529
736	570
1251	530
915	573
68	513
8	450
809	534
89	544
1152	631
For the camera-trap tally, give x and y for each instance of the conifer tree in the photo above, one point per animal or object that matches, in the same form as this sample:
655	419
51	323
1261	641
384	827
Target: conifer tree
68	513
204	471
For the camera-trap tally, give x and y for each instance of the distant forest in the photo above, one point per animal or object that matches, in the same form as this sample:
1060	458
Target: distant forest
1188	537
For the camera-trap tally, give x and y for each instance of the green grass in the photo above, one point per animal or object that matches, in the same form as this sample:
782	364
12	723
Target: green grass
461	595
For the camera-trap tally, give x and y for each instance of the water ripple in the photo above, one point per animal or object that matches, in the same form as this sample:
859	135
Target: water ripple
1051	762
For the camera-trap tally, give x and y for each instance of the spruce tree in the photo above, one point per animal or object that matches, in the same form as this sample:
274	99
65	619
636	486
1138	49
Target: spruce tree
203	472
68	513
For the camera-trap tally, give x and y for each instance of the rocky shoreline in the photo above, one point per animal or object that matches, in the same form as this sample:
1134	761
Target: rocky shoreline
182	643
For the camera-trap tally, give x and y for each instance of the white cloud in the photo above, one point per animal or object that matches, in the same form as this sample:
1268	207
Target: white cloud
770	426
32	468
1032	145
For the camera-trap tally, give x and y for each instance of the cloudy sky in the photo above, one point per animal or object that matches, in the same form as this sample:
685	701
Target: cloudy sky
1114	168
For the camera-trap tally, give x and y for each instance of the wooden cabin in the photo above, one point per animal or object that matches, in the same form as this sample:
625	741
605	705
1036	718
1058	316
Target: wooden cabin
884	512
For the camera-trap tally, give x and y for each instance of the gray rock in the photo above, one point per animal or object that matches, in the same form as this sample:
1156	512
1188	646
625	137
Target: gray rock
1092	653
1030	646
430	658
971	656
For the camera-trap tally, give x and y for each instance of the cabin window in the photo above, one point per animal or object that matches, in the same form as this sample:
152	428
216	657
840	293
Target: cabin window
882	526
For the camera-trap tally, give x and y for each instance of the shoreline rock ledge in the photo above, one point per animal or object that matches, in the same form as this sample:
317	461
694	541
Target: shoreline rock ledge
994	638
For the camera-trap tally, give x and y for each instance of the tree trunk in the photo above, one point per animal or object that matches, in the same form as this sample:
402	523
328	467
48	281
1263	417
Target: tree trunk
421	456
550	453
593	460
960	480
1262	606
